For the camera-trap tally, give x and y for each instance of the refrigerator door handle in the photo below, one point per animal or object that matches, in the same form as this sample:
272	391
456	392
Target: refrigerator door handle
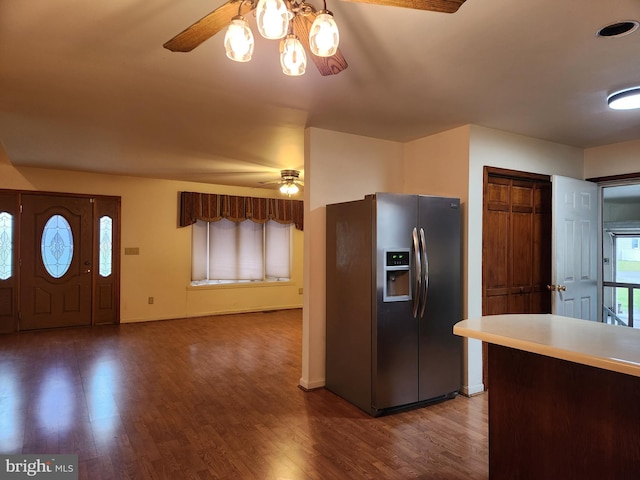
417	284
425	272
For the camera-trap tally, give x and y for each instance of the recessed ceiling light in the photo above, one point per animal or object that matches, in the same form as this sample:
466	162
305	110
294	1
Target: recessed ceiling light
618	29
625	99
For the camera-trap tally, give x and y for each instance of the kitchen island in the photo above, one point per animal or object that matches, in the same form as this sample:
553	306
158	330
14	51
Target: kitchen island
564	397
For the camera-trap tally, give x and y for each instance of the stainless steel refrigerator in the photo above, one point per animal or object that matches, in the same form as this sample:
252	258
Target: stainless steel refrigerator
393	296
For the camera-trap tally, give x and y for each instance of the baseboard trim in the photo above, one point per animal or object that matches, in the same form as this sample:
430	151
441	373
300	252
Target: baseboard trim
309	386
471	390
212	314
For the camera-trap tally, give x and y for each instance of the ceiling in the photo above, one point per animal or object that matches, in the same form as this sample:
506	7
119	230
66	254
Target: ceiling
86	85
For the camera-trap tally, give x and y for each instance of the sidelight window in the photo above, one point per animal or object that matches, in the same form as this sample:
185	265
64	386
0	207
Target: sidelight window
105	248
6	245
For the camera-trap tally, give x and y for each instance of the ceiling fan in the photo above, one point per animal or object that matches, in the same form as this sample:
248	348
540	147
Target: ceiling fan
301	17
289	182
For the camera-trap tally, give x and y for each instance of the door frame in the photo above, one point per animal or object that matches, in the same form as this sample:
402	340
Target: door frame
102	297
602	182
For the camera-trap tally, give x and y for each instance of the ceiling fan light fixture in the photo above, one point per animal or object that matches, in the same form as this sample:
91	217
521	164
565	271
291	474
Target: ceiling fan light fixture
324	36
628	99
293	59
272	17
238	41
289	189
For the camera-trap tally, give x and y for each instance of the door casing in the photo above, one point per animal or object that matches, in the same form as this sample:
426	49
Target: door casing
104	291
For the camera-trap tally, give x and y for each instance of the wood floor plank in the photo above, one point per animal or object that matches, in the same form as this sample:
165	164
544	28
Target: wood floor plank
215	398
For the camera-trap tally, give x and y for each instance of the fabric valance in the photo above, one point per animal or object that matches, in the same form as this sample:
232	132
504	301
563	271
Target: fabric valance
211	207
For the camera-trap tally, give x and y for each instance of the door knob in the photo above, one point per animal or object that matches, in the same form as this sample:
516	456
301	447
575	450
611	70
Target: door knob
557	288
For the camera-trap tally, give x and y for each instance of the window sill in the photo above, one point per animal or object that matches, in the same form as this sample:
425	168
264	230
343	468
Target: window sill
258	284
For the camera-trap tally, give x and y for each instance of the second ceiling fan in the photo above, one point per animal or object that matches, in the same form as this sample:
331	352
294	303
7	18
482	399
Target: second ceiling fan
300	26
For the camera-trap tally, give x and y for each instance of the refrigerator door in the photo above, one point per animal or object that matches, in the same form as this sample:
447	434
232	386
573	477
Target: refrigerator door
394	328
349	299
440	350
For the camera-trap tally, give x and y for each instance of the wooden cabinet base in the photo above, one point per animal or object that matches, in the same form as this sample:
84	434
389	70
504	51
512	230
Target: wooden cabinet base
554	419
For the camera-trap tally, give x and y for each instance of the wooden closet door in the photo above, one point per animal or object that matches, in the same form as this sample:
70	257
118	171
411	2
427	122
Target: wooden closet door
516	244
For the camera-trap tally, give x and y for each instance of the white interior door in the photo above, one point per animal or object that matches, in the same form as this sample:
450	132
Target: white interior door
574	248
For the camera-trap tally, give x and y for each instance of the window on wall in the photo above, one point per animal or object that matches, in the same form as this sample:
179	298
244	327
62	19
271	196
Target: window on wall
240	252
6	245
105	264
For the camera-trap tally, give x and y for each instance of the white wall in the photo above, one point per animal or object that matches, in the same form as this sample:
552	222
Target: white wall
438	164
609	160
338	167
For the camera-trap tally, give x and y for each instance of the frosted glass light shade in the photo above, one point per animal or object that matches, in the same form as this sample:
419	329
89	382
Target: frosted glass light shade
272	17
238	41
293	59
324	36
625	100
289	189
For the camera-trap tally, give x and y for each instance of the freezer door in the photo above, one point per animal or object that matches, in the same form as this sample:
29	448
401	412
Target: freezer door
440	351
349	299
394	328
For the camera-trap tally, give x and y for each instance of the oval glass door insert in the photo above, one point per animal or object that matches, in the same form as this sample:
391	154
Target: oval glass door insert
57	246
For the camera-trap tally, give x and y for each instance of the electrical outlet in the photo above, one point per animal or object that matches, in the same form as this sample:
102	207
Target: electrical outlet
150	300
299	291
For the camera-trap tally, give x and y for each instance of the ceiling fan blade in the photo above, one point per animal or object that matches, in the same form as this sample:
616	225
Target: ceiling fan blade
204	28
326	65
444	6
282	182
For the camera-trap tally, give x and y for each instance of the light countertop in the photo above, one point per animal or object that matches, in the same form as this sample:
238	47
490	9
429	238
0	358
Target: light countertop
610	347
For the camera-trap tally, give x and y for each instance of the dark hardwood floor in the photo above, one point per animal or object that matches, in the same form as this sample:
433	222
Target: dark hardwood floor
215	398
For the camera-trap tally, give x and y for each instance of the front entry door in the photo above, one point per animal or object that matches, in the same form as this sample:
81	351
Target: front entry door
575	243
56	261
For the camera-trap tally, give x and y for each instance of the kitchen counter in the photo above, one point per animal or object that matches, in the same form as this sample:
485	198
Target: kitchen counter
564	397
596	344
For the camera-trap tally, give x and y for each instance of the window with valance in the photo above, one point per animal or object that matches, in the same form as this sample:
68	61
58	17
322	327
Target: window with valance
226	249
211	207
